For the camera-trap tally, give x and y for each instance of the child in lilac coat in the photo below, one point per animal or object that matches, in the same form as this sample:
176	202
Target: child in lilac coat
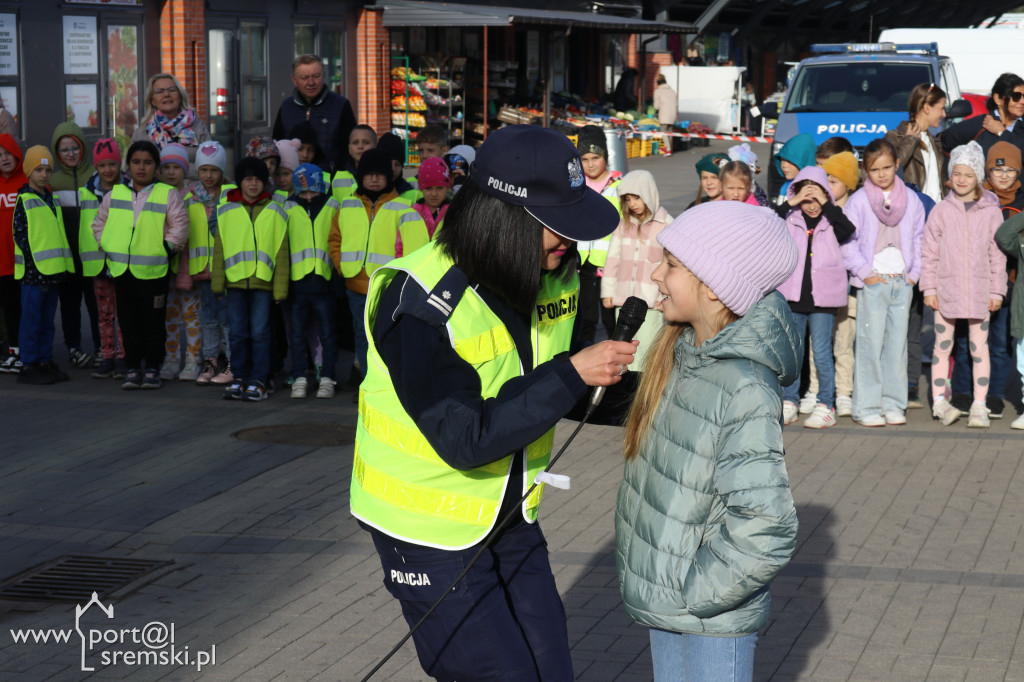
963	276
884	261
818	285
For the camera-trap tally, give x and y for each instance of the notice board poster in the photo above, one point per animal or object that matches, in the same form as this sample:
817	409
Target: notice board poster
81	46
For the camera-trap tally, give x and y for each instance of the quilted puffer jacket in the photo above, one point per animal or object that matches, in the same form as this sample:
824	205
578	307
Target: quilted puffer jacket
704	518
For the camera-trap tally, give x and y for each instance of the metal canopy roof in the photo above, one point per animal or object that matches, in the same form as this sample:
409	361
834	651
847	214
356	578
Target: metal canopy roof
407	13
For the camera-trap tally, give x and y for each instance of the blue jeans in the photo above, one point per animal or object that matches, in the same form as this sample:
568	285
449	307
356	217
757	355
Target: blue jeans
684	657
38	309
213	315
999	350
357	304
249	316
503	621
821	345
321	306
880	356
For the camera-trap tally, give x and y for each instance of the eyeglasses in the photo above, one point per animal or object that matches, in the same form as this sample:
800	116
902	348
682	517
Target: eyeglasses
1005	172
69	150
160	91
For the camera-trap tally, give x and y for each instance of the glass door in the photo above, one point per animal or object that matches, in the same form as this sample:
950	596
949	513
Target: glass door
237	80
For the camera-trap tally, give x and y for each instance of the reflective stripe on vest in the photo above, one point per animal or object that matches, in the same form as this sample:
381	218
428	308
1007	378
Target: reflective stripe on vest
200	239
136	246
88	248
595	252
400	485
307	240
47	241
251	249
367	246
343	185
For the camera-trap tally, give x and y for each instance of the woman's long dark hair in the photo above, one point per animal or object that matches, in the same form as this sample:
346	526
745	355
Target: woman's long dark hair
1004	87
498	245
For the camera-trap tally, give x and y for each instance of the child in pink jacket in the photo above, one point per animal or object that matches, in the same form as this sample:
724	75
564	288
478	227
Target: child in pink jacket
963	276
434	181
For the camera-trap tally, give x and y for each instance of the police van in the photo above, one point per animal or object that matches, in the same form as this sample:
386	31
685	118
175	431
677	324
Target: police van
858	91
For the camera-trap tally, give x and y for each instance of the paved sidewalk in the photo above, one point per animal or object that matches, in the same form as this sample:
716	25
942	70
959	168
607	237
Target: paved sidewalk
910	563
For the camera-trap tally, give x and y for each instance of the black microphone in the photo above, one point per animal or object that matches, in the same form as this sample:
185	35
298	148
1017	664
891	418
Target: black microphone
631	318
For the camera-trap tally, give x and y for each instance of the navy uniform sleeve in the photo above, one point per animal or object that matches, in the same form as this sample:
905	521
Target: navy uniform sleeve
441	392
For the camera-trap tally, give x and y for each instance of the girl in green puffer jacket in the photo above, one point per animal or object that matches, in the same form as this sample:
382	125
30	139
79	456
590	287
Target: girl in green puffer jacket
704	517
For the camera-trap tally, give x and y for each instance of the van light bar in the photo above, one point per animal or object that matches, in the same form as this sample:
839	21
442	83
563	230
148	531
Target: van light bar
928	48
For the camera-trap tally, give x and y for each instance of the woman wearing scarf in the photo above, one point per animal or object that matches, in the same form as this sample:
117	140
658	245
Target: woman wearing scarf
169	118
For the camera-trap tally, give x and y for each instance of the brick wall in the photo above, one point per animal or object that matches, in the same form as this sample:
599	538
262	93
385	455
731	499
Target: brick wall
373	86
655	60
183	48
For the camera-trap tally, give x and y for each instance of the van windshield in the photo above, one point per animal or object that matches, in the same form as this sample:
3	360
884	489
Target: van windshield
858	86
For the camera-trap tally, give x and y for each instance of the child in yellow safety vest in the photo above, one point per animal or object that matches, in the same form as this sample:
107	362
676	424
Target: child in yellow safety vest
182	319
42	257
250	265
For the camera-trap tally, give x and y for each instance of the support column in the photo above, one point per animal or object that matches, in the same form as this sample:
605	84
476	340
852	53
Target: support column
183	49
373	88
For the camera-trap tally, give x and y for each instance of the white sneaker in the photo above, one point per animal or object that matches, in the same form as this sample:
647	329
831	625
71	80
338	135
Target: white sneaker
326	389
844	406
978	418
871	420
808	403
190	371
789	412
1018	423
822	417
169	370
945	412
895	418
299	388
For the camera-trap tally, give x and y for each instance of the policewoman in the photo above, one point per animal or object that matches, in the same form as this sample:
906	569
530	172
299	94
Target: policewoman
139	225
469	371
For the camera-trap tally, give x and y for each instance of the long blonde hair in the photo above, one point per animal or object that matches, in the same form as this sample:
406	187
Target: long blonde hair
659	363
149	94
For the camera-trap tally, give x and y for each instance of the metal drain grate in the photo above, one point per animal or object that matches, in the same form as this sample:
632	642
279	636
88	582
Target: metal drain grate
75	577
310	435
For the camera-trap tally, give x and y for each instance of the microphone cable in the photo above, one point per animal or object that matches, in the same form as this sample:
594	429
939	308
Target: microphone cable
487	543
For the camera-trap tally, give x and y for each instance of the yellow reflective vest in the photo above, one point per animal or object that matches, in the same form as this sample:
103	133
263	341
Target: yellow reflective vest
343	186
307	240
200	239
250	248
138	247
47	242
369	245
88	248
399	483
596	251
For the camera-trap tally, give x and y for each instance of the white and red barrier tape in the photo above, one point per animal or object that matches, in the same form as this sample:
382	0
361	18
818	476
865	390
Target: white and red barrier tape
736	138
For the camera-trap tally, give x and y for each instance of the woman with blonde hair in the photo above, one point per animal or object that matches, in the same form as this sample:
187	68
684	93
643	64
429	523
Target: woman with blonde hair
169	118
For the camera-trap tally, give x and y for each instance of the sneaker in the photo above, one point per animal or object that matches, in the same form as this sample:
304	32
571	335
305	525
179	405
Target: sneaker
189	371
821	417
945	412
326	389
978	418
871	420
962	402
35	375
169	370
299	387
12	359
895	418
208	371
914	399
79	358
844	406
995	407
224	376
119	369
151	380
55	371
1018	423
132	380
234	391
808	403
105	370
256	392
790	412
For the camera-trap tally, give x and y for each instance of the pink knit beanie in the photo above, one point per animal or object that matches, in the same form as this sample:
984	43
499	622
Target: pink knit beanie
433	173
741	252
288	150
174	153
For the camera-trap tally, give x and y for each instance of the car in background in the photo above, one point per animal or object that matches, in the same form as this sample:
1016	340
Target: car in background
858	91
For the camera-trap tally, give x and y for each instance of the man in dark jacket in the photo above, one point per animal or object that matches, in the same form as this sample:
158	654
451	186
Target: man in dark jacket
329	113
